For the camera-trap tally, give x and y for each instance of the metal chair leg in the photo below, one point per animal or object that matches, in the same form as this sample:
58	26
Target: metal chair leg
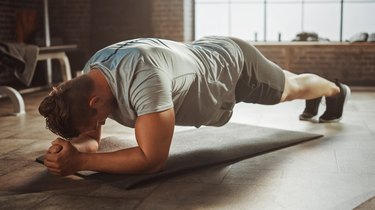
16	98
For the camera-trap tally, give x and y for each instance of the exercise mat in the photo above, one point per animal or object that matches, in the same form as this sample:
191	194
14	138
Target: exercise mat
367	205
206	146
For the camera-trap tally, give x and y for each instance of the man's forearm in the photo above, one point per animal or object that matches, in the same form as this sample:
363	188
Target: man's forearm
126	161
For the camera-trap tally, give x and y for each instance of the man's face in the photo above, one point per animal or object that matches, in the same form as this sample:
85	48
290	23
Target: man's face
96	121
92	127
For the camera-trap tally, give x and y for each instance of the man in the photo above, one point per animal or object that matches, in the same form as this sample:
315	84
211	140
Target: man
153	85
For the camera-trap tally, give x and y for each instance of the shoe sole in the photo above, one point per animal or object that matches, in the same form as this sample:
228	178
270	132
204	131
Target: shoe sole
348	92
312	119
306	118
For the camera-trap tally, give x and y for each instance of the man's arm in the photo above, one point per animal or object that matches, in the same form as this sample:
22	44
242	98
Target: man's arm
154	134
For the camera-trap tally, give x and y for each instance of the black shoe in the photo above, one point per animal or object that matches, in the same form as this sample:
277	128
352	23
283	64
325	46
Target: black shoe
335	105
311	109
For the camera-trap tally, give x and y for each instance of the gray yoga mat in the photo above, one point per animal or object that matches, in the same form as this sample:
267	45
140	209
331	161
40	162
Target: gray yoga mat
367	205
207	146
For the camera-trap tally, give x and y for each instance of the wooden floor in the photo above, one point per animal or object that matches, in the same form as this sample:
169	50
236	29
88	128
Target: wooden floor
334	172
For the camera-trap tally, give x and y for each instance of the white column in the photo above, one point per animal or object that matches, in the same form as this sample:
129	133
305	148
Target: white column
48	41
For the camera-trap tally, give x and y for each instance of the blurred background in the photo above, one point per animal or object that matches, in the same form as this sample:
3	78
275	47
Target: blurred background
336	37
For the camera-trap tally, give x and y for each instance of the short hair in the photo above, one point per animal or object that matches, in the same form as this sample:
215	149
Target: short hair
67	108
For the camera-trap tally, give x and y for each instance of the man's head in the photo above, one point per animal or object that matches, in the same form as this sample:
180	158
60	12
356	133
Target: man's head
67	108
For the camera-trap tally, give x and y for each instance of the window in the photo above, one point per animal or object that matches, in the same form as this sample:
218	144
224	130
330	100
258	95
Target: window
271	20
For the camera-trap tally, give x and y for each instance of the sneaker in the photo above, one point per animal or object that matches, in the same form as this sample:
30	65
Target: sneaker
335	105
311	109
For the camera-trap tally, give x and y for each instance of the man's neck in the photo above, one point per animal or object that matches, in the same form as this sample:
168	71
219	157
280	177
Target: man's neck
101	86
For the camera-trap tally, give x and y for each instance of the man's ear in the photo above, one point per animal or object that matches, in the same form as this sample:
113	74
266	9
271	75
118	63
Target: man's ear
94	101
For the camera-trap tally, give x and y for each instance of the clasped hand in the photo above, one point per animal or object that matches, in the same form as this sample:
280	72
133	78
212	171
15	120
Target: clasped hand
62	158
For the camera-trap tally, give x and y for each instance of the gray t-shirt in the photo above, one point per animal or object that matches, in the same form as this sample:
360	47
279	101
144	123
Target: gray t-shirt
150	75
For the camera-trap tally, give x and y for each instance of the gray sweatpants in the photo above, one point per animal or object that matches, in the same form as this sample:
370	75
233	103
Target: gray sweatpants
261	80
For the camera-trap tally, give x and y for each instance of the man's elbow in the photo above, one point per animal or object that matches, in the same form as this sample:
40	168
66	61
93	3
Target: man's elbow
90	148
155	167
86	146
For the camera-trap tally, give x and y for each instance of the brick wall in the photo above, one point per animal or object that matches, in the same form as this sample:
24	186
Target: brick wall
8	27
167	19
172	19
350	63
7	20
93	24
70	22
117	20
8	9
